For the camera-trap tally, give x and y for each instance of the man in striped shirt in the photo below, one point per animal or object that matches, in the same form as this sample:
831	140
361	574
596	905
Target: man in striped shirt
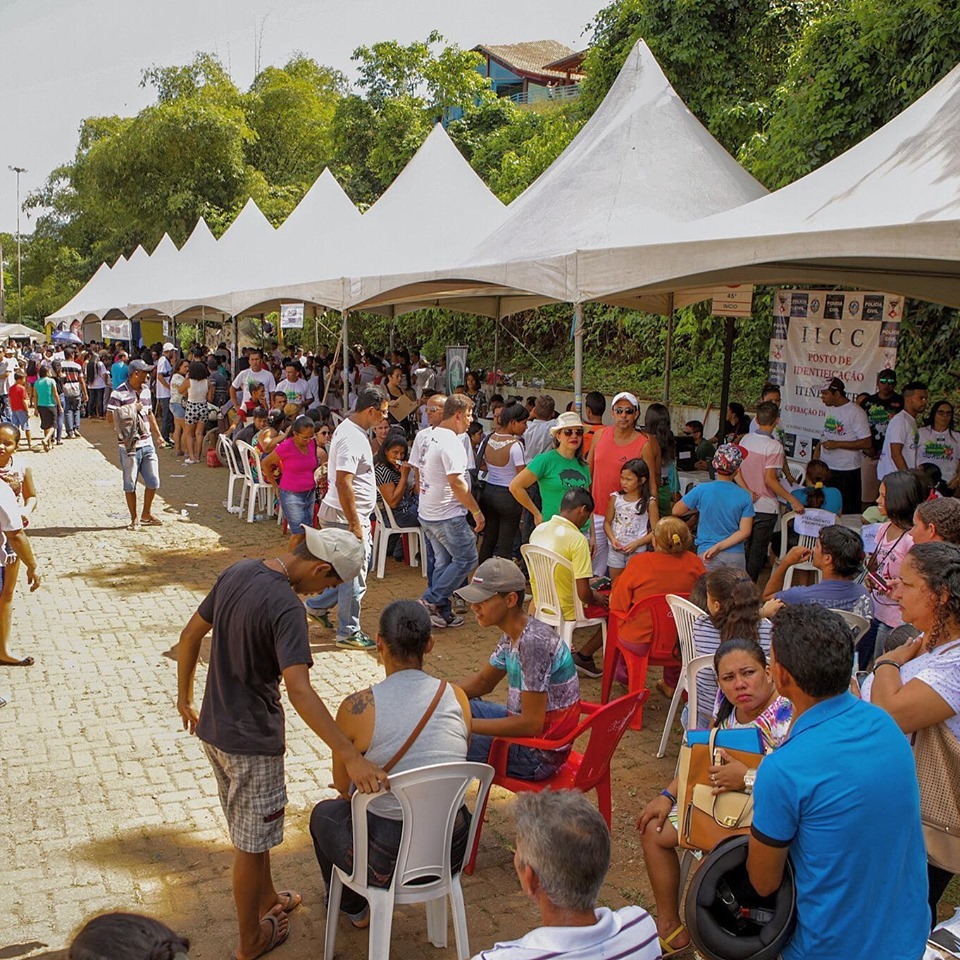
562	857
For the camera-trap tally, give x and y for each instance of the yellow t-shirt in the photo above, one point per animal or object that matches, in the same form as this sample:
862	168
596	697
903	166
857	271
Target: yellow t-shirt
561	536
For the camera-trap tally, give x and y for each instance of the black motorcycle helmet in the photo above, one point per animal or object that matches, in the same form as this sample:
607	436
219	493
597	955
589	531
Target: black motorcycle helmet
727	919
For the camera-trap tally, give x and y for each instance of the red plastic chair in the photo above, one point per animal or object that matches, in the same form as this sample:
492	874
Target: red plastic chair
663	650
585	771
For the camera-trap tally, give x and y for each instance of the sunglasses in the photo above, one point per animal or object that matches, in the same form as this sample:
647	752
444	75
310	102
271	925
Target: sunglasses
576	432
620	411
886	380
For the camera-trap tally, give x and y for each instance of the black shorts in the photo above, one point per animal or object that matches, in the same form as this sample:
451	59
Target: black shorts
48	417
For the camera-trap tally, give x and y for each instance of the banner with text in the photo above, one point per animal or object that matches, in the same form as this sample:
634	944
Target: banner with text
819	334
291	316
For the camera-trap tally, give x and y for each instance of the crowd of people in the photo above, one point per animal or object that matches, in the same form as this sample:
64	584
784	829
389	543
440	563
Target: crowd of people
482	474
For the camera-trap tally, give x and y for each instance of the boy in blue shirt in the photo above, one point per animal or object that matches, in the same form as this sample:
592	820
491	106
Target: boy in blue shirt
844	764
726	512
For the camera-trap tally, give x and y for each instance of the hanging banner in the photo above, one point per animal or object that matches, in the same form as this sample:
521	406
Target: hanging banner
291	316
819	334
456	368
115	329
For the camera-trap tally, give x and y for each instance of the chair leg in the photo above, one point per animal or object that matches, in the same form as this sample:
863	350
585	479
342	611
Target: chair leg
422	547
381	923
469	865
333	915
252	504
459	919
604	800
671	715
437	921
383	545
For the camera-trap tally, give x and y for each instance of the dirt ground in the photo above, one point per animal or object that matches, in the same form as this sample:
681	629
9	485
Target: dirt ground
112	806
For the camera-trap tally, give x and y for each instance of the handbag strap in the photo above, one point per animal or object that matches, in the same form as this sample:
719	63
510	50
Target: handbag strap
408	743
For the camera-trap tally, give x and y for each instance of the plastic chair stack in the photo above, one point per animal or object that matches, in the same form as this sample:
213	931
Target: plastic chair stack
256	491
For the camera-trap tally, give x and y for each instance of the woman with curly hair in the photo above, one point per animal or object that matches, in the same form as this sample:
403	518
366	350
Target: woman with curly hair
733	610
127	936
937	519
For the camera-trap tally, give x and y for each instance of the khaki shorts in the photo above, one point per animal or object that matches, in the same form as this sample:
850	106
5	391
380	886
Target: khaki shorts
253	795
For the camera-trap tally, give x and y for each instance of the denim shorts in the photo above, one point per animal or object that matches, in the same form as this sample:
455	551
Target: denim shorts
298	509
177	410
20	419
143	462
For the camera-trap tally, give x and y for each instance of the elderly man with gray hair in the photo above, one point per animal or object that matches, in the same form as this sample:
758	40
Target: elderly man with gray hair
562	857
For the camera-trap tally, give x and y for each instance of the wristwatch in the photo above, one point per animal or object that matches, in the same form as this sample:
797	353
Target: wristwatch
749	778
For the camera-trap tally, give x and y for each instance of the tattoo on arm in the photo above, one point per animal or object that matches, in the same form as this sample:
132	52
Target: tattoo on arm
359	701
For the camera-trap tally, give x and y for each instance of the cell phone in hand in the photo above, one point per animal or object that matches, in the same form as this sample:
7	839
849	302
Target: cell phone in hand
877	582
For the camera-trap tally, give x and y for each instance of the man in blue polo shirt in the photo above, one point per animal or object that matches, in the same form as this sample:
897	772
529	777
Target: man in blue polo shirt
845	764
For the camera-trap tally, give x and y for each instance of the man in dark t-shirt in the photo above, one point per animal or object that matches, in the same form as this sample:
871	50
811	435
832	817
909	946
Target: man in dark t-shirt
260	635
882	406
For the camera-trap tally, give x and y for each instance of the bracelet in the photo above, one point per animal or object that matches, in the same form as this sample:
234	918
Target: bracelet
668	795
476	513
886	663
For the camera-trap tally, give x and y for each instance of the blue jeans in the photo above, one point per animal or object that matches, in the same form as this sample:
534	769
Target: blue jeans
71	412
524	763
298	509
348	596
165	418
454	556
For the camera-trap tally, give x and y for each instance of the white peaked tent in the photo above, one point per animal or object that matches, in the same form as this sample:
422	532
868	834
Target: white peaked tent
642	165
149	277
83	302
307	255
883	215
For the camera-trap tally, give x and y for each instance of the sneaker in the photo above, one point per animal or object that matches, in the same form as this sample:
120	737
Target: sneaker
319	616
188	461
458	604
454	621
585	666
436	618
357	641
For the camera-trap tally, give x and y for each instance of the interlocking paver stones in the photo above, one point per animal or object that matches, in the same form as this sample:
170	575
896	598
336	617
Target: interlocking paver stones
111	806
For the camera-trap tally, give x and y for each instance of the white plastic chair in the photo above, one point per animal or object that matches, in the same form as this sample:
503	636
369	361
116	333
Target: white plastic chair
694	667
858	628
259	491
386	528
808	542
685	614
543	566
228	455
430	798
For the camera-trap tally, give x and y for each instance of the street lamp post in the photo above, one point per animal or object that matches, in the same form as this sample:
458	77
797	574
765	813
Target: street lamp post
18	171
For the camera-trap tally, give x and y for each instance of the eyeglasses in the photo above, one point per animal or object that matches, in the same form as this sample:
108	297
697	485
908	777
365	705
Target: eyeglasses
620	411
886	380
575	432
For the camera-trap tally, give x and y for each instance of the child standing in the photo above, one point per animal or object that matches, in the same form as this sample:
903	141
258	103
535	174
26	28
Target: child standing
631	515
18	406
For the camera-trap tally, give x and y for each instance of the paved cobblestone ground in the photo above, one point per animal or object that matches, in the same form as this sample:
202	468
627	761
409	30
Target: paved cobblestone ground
110	805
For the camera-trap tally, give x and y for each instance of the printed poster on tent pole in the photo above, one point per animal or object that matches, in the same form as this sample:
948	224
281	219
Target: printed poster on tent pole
818	334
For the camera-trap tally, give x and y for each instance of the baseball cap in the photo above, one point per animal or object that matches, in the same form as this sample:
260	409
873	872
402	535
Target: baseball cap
140	365
728	458
340	548
566	421
832	383
167	347
629	397
495	575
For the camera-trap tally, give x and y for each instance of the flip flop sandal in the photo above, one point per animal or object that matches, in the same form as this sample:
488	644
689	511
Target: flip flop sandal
289	900
275	941
151	522
133	525
25	662
666	943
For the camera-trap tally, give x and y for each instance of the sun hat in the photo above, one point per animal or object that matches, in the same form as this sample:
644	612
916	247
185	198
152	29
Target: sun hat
340	548
728	458
566	421
495	575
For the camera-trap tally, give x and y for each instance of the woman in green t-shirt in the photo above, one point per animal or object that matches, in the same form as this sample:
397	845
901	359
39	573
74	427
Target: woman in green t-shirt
555	471
48	405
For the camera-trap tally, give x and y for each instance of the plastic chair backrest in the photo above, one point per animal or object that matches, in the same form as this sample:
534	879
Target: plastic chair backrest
429	798
685	614
694	666
606	726
663	638
245	454
857	624
228	455
542	565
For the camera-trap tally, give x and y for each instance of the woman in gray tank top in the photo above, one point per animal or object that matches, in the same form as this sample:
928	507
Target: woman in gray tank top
378	722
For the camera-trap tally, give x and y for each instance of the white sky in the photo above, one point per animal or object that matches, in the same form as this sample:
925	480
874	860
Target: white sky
64	60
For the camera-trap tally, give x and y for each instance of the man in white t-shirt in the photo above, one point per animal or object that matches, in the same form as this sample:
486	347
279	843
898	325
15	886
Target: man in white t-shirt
294	386
164	373
350	500
760	475
846	435
562	857
255	373
902	439
445	501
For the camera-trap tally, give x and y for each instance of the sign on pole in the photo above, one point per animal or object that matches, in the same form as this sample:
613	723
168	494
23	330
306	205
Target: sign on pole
456	368
735	300
115	329
819	334
291	316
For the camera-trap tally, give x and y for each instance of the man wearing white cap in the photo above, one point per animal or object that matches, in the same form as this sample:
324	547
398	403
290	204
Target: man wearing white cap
164	373
260	635
610	450
846	435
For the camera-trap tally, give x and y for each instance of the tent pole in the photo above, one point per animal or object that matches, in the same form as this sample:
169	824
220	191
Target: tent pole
346	363
668	358
727	363
578	358
236	345
393	325
316	332
496	348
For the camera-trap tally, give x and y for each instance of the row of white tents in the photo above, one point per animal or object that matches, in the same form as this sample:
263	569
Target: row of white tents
643	209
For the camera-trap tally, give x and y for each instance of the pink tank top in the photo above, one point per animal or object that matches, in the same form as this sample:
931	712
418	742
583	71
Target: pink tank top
608	461
298	468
